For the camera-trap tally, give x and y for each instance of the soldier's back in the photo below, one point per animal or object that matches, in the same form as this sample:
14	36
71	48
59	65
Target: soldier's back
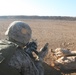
7	49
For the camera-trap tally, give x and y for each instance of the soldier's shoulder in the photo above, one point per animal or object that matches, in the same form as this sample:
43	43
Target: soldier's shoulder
6	43
7	49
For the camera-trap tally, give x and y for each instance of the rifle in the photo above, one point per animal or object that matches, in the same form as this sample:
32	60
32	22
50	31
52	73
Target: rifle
45	47
31	47
43	52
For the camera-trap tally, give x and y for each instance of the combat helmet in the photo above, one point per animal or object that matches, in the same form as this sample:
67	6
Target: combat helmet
19	32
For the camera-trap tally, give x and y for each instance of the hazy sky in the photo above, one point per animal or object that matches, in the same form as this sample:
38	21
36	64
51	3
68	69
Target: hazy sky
38	7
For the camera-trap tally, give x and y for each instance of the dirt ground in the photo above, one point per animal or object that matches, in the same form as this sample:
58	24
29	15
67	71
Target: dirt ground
58	33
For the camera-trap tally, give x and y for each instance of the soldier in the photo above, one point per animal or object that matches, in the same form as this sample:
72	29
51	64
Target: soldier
13	59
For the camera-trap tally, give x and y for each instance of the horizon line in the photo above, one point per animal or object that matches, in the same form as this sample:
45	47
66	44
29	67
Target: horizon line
39	15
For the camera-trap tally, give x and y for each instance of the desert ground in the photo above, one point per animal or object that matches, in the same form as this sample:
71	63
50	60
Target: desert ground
58	33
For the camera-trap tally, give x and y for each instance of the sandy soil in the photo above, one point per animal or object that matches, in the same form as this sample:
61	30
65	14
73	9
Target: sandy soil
58	33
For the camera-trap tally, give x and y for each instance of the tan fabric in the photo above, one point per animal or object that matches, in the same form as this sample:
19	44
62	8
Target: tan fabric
64	59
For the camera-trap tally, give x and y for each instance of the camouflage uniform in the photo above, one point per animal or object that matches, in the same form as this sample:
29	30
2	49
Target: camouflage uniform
21	62
14	60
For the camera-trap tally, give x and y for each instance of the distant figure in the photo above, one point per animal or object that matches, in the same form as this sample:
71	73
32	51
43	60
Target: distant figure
15	58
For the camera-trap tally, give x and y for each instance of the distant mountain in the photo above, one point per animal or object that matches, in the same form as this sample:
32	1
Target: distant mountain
40	17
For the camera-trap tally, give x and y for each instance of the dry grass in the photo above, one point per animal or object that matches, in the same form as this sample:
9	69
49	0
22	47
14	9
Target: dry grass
58	33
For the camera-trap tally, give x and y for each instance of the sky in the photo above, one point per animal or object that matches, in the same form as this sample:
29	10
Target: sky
38	7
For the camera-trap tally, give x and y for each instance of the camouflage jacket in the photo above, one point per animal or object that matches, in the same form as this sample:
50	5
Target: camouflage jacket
16	61
23	63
